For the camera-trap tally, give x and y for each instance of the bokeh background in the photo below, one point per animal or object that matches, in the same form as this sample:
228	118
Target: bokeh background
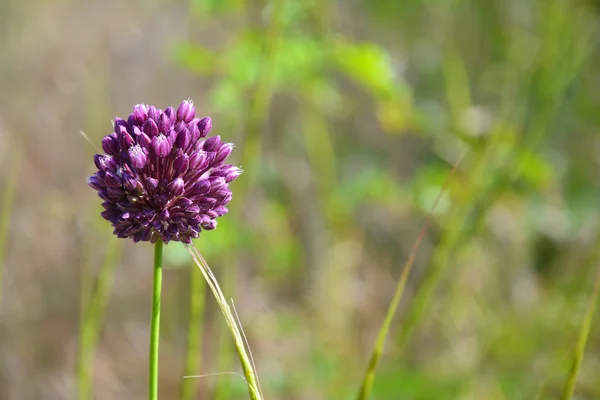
347	118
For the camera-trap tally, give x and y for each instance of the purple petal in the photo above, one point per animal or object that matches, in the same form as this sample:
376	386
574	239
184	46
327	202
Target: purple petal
192	211
126	139
212	144
223	153
111	215
170	112
140	113
216	183
92	182
222	194
229	172
184	138
200	188
186	111
164	123
100	162
182	203
138	157
150	128
210	225
220	210
144	141
132	184
207	203
181	164
176	187
164	215
113	180
198	160
119	122
110	145
153	113
205	126
161	145
151	186
115	193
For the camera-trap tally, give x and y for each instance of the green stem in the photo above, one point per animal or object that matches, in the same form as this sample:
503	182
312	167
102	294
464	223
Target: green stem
369	377
154	330
579	352
194	340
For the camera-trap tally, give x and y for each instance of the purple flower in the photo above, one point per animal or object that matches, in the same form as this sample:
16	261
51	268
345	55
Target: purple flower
160	179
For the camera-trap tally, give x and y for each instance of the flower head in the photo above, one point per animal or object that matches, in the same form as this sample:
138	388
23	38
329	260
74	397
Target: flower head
160	178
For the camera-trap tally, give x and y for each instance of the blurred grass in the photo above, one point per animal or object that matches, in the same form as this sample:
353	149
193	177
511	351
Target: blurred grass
95	286
379	346
347	118
9	191
94	300
193	360
580	347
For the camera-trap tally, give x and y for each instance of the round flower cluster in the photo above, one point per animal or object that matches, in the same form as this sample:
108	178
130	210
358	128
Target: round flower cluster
160	178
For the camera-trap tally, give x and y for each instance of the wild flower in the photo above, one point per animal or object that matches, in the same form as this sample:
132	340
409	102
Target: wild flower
160	178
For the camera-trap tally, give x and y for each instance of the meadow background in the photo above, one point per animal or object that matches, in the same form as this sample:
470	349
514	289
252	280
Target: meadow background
347	118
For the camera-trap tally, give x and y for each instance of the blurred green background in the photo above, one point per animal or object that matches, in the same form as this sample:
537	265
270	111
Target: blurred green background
347	118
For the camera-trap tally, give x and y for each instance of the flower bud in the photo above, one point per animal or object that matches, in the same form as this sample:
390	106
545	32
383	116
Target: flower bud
186	111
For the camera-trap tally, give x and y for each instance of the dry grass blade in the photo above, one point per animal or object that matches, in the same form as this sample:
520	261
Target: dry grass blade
247	365
215	375
239	323
369	378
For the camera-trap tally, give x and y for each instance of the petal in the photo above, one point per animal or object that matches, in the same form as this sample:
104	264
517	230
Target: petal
118	123
186	111
181	164
182	203
205	126
169	112
150	128
153	113
223	153
140	113
184	137
207	203
144	141
151	186
138	157
113	180
110	145
216	183
212	144
199	188
92	182
192	211
210	225
161	145
176	187
222	194
164	123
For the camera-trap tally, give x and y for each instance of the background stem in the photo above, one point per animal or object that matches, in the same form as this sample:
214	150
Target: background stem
194	341
579	352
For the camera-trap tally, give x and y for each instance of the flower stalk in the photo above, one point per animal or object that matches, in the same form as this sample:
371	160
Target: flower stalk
161	179
155	325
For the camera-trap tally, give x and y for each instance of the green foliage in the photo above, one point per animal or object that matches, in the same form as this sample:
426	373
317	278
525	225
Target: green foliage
367	64
347	118
457	75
